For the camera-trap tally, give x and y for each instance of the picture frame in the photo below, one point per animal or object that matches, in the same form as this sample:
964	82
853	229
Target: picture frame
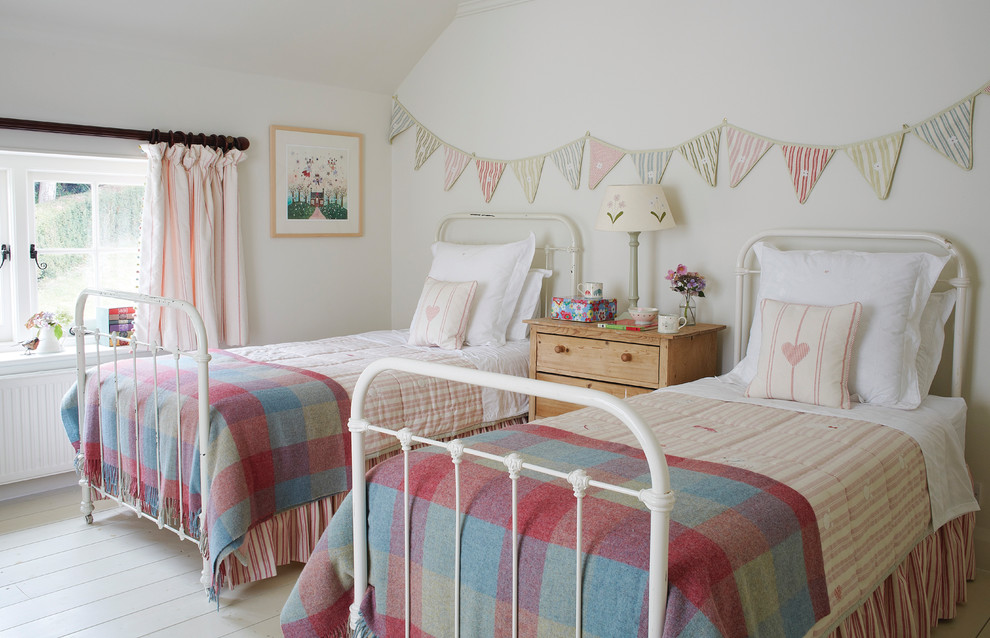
317	183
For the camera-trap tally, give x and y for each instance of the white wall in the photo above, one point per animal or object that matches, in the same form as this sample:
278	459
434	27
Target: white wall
297	288
644	75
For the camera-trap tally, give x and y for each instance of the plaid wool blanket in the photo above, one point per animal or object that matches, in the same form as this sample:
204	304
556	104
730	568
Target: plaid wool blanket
276	435
745	556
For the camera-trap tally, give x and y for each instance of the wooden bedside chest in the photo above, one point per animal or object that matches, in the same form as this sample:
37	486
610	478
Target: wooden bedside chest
620	362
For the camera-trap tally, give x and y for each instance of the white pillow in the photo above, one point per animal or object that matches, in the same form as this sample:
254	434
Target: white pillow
893	288
442	313
932	327
806	353
529	299
499	269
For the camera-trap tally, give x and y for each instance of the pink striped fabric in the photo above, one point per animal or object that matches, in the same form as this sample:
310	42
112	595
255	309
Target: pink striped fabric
805	164
603	159
489	172
454	163
745	151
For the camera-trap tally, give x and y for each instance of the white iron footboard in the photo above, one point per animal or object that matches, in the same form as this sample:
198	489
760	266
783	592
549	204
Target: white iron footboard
659	498
132	347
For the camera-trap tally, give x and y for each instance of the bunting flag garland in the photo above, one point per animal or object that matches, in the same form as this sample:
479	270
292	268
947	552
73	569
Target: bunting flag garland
401	120
489	172
745	150
702	154
454	163
426	143
568	159
876	160
528	173
805	164
603	157
951	133
651	165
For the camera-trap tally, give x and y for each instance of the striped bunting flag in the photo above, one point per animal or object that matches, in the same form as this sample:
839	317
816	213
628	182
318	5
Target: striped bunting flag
426	143
651	165
603	159
745	151
951	133
528	173
876	160
702	154
805	164
454	163
401	120
489	172
568	162
986	89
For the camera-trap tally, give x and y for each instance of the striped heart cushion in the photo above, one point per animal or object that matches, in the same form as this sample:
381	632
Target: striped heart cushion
441	317
806	352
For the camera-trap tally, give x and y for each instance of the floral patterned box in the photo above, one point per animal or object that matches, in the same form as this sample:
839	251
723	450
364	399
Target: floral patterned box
582	309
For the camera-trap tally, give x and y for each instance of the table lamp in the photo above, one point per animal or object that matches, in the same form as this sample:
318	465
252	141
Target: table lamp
634	208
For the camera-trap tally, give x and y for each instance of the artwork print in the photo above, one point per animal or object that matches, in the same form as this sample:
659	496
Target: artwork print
316	183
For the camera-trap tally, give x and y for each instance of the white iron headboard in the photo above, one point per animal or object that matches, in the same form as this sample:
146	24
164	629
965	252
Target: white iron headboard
960	282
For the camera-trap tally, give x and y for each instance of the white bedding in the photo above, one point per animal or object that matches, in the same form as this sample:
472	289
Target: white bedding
938	425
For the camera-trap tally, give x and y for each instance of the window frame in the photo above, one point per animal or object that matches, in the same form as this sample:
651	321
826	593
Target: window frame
18	172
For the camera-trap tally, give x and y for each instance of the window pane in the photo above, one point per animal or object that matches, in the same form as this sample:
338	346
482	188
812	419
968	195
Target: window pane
61	282
119	271
120	214
63	215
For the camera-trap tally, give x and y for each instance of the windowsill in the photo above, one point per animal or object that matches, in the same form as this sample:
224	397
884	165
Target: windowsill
15	361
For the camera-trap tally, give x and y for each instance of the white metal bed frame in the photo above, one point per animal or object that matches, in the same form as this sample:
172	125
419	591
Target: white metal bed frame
659	499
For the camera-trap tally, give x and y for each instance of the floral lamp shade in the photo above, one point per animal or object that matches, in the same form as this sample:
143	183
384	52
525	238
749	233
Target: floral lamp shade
634	208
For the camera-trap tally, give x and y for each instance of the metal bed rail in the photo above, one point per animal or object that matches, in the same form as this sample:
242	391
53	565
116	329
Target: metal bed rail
659	498
135	349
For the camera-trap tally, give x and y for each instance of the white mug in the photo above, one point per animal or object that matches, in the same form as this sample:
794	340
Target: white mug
592	289
670	324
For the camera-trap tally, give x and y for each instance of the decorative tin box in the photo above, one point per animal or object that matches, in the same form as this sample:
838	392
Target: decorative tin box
582	309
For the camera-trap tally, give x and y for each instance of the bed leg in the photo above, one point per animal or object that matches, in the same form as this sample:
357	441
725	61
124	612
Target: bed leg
86	505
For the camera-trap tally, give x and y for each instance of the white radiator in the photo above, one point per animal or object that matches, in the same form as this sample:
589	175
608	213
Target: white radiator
33	443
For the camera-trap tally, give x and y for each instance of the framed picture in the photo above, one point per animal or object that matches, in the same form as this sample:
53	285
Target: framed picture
317	183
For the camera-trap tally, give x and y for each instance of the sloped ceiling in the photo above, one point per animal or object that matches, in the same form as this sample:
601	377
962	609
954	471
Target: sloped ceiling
368	45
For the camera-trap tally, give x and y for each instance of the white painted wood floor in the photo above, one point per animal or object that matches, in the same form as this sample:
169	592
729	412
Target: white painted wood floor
123	577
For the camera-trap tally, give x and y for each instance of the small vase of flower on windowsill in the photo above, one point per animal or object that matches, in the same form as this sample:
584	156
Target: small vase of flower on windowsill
689	285
50	329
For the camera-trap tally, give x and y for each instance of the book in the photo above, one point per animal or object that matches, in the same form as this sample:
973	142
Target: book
627	324
120	327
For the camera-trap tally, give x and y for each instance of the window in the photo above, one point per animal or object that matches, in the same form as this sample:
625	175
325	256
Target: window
82	216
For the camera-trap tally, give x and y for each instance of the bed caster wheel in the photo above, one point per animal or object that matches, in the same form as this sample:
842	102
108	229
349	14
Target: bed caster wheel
89	519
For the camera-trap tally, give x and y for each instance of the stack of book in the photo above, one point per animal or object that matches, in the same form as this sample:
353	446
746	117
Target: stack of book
117	321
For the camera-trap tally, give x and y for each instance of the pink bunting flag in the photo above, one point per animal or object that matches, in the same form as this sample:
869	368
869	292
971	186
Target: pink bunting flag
986	89
489	172
603	159
454	163
805	164
745	151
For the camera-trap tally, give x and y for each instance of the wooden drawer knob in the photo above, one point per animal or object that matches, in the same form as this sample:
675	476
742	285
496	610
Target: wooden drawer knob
626	357
559	349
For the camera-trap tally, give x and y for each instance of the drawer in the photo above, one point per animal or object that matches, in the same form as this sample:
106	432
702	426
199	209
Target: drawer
552	407
631	363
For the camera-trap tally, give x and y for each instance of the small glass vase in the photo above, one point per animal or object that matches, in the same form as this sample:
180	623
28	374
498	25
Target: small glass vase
689	310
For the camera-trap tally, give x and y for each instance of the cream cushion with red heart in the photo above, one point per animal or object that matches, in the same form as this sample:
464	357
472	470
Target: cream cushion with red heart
441	317
806	352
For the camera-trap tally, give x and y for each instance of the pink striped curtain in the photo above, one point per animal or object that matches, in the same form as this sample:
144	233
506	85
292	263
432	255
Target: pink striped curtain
191	245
